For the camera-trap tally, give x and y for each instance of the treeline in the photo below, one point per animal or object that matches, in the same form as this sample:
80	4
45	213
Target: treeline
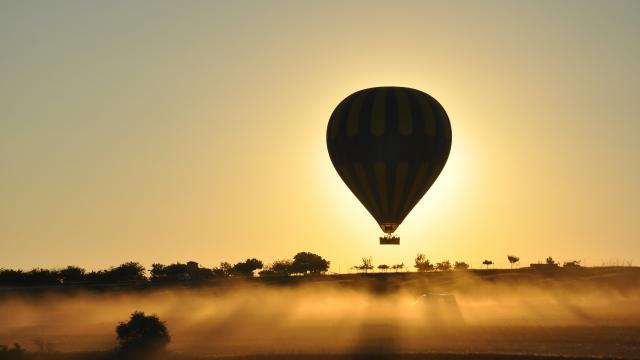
303	263
422	264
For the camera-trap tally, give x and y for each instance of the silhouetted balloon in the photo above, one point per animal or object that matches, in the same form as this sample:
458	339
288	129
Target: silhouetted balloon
389	144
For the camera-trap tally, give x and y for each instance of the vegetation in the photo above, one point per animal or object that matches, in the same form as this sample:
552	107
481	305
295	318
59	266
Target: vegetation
189	271
303	263
397	267
443	266
306	263
142	333
278	268
225	269
513	260
365	266
247	267
422	263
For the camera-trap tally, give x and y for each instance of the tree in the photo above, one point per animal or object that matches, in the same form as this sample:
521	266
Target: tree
513	259
38	276
12	277
178	271
422	263
282	266
550	261
443	266
247	267
72	274
366	265
397	267
460	265
487	263
143	332
278	268
309	263
225	269
383	267
129	271
157	272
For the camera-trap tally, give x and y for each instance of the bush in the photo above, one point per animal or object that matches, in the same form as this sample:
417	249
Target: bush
142	333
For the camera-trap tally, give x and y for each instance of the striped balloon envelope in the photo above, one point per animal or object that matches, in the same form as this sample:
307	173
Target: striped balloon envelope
389	144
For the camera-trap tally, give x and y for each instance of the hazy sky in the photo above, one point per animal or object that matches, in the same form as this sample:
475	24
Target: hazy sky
165	131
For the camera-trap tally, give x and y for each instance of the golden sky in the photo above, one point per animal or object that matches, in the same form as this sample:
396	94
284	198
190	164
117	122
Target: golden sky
195	130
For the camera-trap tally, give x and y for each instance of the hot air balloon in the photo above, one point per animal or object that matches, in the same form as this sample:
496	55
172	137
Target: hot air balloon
389	144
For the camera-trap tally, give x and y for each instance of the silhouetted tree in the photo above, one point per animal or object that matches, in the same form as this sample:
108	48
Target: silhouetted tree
550	261
366	265
10	277
247	267
309	263
129	271
443	266
383	267
487	263
225	269
513	260
278	268
72	274
422	263
100	276
460	265
142	333
39	277
178	271
397	267
282	267
157	272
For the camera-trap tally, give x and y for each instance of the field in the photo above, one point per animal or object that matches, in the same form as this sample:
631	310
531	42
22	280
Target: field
488	314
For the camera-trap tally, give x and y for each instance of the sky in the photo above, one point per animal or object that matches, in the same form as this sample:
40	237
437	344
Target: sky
195	130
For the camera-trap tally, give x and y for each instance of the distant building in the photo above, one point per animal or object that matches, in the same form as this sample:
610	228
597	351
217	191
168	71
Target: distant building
544	267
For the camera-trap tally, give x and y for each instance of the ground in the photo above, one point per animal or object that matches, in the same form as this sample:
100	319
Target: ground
494	314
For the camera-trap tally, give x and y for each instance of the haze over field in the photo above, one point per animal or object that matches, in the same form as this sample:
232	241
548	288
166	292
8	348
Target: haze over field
196	130
570	316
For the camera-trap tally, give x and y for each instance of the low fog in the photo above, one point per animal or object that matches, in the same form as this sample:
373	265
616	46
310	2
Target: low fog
460	313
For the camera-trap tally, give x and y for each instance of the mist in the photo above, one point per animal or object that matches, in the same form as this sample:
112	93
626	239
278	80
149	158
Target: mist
458	313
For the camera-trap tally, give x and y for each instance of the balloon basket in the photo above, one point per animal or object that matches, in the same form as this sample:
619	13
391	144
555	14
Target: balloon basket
389	240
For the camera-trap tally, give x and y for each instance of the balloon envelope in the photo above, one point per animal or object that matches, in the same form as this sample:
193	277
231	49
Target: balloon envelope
389	144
